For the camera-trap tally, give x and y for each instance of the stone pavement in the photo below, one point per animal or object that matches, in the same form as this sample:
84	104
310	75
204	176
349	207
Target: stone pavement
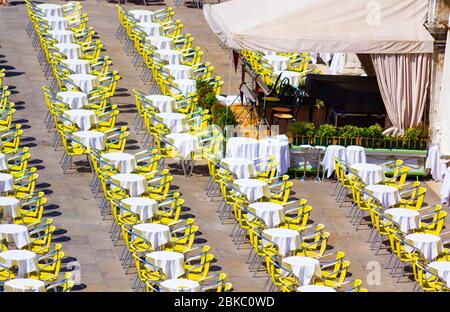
81	228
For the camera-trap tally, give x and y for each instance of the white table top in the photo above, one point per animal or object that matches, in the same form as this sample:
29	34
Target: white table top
8	201
24	284
315	288
13	228
271	213
180	284
165	255
151	227
141	201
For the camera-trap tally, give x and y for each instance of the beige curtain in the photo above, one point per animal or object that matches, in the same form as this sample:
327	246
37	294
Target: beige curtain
403	80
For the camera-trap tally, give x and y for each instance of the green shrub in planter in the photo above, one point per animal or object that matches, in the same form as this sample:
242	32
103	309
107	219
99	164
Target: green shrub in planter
301	131
222	115
326	131
350	132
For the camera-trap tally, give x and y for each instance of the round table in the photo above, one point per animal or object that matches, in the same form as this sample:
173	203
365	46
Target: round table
84	118
25	260
356	155
430	245
171	56
331	152
3	163
15	233
78	66
73	99
279	149
6	182
56	22
287	240
178	71
136	184
70	50
142	15
292	76
176	122
315	288
143	206
243	168
369	173
443	270
304	268
164	103
124	162
62	35
50	9
85	82
151	29
24	285
185	86
186	144
156	234
254	189
91	139
407	219
10	206
278	62
387	195
160	42
170	262
179	285
271	213
242	148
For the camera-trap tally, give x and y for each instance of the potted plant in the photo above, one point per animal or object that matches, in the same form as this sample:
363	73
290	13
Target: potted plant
222	115
349	135
325	135
301	132
370	136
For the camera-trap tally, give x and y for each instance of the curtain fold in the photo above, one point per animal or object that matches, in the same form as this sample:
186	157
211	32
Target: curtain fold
403	80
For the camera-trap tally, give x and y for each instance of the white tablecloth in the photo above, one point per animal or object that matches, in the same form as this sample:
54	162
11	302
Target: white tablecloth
331	152
142	15
178	71
57	22
84	118
435	163
78	66
443	270
430	245
278	62
369	173
3	163
176	122
10	207
160	42
143	206
279	149
304	268
50	9
74	100
242	148
186	86
62	35
408	219
124	162
356	155
156	234
15	233
134	183
151	29
91	139
6	182
243	168
164	103
180	285
186	144
445	189
387	195
84	81
315	288
24	285
287	240
171	263
252	188
271	213
292	76
25	260
171	56
70	50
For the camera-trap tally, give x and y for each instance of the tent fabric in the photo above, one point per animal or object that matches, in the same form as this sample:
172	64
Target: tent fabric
357	26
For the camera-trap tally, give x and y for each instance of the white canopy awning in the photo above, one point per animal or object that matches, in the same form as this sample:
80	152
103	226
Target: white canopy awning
358	26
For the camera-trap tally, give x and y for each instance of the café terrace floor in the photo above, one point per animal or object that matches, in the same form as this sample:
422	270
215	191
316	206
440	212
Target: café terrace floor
81	229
